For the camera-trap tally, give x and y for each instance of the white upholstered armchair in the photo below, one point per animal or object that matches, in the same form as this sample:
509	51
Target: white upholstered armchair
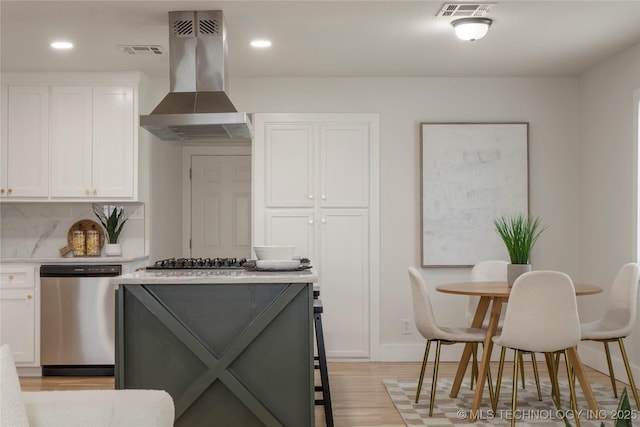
96	408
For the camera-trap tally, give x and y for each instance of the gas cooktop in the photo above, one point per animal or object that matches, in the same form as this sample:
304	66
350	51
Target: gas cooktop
199	263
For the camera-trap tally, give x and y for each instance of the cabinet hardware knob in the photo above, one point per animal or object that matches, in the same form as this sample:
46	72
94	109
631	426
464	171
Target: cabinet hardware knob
86	191
324	220
324	197
11	277
29	296
1	190
310	221
95	191
311	196
9	191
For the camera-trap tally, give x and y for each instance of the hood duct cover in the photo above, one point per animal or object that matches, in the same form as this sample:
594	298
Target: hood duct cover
197	107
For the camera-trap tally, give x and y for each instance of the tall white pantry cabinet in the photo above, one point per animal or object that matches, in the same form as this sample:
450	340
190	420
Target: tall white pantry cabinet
316	187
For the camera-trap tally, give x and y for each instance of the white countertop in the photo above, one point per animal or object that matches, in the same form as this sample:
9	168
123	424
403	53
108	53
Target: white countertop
74	260
214	277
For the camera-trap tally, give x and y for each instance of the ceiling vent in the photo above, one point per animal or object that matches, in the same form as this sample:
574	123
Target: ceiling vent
142	49
462	10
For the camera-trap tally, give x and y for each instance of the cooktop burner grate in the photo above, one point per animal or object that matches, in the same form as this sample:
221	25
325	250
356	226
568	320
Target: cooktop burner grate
200	263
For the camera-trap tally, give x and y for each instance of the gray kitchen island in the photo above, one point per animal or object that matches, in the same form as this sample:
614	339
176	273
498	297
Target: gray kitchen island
233	348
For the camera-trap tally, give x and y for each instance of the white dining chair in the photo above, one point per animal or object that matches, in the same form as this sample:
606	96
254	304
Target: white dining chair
495	271
542	316
618	320
427	326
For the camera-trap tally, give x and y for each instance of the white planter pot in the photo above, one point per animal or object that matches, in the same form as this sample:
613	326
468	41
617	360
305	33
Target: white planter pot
112	249
515	270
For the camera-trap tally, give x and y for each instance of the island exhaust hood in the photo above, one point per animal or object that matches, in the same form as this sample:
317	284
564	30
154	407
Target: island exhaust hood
197	107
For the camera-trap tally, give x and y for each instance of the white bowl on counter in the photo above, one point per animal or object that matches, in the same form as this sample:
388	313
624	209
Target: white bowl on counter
274	252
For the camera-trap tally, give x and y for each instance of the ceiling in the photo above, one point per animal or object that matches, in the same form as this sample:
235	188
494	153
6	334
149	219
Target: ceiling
325	38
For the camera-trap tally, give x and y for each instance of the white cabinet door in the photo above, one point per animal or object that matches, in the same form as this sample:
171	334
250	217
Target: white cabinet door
344	165
28	142
289	166
344	281
18	314
17	324
293	227
71	141
114	157
4	103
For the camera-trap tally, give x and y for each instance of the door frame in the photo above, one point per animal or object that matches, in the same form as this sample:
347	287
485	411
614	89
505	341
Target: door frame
209	149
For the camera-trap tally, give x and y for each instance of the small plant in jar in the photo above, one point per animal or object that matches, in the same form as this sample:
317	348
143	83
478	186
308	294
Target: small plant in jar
112	219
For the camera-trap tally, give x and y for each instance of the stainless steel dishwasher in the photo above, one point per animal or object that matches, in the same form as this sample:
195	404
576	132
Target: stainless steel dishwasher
77	329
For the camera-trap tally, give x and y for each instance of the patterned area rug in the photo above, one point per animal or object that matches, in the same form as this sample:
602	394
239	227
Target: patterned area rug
530	411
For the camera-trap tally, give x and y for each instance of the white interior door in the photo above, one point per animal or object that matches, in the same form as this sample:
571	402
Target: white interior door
221	206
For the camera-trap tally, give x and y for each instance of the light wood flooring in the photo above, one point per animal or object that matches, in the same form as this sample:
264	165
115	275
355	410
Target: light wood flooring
358	396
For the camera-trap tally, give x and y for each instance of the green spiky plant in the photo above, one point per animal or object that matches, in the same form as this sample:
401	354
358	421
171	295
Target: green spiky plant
112	219
624	414
519	233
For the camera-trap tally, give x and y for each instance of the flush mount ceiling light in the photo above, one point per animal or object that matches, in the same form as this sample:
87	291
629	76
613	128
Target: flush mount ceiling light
471	28
260	43
61	45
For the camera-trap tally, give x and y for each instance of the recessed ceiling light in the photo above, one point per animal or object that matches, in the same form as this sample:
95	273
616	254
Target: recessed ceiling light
61	45
260	43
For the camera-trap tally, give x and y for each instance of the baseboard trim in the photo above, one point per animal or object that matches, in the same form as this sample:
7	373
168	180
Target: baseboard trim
415	353
593	355
27	371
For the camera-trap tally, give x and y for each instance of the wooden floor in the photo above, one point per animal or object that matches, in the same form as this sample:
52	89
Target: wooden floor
358	396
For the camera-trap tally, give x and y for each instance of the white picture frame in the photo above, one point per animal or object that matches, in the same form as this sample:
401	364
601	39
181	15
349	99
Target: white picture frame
471	173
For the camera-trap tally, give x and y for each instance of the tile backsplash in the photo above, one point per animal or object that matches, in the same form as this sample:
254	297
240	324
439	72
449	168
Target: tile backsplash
39	230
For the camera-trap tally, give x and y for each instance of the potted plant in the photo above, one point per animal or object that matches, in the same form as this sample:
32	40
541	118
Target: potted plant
112	219
519	233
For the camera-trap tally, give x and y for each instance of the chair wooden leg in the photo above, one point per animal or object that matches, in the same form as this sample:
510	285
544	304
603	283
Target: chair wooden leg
553	376
572	389
514	392
535	374
632	383
435	378
612	376
474	365
424	365
496	396
490	383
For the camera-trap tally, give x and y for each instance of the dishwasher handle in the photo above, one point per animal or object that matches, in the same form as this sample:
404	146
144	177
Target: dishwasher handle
80	270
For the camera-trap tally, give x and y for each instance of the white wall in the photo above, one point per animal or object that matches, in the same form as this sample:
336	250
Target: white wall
548	104
608	194
160	182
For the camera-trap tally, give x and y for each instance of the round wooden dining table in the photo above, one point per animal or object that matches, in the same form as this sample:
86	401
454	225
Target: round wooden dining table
494	294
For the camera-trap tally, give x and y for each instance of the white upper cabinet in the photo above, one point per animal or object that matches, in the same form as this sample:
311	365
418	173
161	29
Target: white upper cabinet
4	102
337	152
71	133
289	165
93	142
25	142
114	148
69	136
344	165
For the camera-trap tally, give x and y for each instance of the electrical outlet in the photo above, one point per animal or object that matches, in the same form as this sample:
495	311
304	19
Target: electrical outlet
406	326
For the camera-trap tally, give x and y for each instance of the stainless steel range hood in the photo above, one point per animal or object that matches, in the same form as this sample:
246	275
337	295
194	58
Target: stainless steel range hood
197	108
